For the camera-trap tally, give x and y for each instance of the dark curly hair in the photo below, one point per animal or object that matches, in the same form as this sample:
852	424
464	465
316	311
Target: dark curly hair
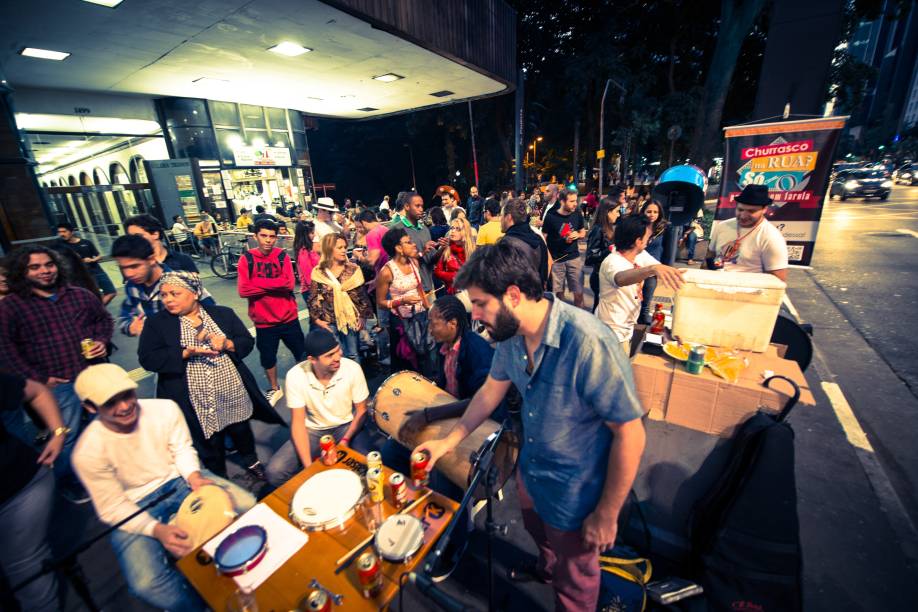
495	267
18	263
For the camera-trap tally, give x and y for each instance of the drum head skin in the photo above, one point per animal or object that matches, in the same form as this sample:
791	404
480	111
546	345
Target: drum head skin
399	537
205	513
326	500
241	550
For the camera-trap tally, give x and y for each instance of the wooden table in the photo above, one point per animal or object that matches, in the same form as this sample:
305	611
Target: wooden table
286	588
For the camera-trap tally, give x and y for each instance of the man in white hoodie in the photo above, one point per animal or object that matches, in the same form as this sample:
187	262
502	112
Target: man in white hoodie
135	452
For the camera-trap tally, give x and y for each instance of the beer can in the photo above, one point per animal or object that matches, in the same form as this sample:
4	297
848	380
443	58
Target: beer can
695	362
327	446
318	601
86	345
375	485
399	489
374	460
419	461
369	573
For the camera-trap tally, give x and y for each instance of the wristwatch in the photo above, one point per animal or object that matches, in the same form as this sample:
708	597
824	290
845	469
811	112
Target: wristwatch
63	430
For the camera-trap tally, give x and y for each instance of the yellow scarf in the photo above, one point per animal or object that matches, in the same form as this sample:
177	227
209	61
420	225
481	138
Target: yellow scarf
346	314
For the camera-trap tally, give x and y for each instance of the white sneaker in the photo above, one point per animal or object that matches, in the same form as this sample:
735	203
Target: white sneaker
273	396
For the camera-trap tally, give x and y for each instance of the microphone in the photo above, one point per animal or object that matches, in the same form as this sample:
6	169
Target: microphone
426	586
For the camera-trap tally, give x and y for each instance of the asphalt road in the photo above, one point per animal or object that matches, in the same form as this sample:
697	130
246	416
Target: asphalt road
866	260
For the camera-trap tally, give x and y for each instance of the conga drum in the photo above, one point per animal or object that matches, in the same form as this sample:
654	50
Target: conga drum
407	391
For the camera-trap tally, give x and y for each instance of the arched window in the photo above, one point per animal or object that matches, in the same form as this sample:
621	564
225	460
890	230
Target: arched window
99	177
138	172
118	174
71	180
84	179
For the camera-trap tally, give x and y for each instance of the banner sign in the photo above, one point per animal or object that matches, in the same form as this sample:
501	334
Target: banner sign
794	159
262	156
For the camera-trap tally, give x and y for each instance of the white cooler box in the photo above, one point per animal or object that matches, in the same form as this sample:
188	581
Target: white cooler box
728	309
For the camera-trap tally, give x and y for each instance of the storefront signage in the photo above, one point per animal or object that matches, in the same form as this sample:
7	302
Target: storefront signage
262	156
794	159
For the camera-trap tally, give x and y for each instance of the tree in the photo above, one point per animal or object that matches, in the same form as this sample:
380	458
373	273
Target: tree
736	20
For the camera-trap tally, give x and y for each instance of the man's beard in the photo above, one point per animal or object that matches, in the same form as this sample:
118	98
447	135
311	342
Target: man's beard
49	286
506	325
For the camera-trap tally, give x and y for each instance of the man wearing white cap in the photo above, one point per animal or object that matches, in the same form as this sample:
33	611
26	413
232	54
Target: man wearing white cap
325	224
136	453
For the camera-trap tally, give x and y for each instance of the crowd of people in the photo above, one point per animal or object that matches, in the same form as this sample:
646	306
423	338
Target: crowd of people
470	296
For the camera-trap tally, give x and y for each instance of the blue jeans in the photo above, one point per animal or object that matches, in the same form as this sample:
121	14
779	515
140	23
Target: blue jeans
350	343
71	413
148	567
690	241
24	545
285	462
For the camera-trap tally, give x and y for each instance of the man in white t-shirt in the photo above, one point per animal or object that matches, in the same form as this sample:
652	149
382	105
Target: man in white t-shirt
622	273
327	395
749	243
136	452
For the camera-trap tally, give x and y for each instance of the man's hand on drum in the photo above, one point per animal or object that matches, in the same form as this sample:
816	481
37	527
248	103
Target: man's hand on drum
436	449
173	539
196	481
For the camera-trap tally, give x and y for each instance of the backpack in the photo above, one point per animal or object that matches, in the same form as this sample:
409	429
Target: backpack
250	260
745	531
623	580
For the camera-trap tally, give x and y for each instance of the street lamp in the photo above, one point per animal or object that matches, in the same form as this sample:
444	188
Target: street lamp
534	147
414	182
602	116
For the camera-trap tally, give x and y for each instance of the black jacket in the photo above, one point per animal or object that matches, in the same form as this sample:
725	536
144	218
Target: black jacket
160	351
524	233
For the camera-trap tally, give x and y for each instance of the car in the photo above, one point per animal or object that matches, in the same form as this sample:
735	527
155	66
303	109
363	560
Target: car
906	175
861	184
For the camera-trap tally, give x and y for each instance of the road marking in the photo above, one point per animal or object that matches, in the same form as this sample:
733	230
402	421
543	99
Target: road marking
790	307
890	502
911	233
139	374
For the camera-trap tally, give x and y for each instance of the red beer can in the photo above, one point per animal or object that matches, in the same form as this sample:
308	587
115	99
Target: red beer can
399	489
419	461
369	573
327	446
318	601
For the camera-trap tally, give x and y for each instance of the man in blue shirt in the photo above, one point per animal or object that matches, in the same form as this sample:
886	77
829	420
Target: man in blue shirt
578	390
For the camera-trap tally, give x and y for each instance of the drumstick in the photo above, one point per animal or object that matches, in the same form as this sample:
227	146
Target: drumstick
370	537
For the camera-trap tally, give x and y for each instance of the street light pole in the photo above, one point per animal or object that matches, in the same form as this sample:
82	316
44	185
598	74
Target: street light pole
535	148
414	181
602	117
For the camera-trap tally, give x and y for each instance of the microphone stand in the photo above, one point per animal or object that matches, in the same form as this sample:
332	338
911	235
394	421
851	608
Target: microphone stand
70	567
483	469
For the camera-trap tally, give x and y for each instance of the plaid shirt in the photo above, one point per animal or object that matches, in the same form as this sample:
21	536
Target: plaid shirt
146	301
40	337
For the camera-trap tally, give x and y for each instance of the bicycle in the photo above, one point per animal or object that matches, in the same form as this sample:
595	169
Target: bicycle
224	263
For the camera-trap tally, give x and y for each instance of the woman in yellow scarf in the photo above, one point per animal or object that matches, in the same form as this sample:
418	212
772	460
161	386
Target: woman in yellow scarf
338	300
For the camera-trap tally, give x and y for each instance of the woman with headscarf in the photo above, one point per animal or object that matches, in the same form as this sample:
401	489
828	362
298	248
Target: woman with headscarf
197	351
338	300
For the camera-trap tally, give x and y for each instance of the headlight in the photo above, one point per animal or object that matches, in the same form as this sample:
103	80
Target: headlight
887	183
851	185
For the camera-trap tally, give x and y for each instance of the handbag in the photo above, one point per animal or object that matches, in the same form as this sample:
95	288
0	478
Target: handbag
416	326
623	586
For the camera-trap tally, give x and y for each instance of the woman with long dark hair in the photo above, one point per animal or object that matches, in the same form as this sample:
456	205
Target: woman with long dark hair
599	240
306	257
439	224
653	211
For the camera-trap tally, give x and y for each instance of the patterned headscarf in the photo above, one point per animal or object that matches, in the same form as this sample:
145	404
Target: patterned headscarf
186	280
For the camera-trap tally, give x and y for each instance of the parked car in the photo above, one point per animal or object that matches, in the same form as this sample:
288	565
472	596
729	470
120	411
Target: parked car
861	184
906	175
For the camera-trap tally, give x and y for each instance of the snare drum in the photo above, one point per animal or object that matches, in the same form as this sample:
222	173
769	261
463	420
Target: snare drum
406	391
326	500
399	538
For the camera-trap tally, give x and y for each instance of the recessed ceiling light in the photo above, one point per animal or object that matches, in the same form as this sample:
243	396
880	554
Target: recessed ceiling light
44	54
108	3
442	93
388	77
290	49
368	109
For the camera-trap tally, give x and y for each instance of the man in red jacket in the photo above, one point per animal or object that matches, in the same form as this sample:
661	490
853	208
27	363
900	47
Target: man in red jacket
266	279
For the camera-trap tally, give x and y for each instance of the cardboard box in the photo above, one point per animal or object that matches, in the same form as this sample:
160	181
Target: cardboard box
707	403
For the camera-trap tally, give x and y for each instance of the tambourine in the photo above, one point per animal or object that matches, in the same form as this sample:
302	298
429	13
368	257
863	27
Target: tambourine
241	550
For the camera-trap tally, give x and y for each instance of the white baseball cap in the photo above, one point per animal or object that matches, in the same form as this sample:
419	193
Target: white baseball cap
100	383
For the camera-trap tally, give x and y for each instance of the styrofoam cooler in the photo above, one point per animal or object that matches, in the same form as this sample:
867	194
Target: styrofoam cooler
728	309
